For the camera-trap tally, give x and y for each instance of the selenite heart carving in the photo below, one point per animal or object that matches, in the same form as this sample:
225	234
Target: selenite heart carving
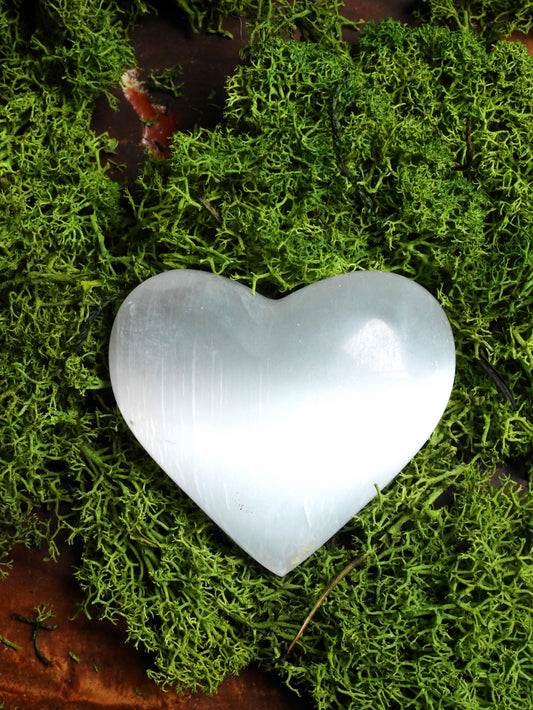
279	417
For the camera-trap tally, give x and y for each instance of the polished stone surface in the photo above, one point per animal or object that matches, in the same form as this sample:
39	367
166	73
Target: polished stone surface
280	417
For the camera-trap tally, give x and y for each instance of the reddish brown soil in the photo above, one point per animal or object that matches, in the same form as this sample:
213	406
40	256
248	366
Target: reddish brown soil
108	673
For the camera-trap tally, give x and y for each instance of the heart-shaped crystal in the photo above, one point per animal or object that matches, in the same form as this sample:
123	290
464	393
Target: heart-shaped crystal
280	417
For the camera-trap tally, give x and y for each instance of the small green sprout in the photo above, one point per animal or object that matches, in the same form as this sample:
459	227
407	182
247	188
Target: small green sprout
9	643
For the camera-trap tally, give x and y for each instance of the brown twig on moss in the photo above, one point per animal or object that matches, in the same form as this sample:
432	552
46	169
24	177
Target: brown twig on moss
363	197
356	562
500	384
469	145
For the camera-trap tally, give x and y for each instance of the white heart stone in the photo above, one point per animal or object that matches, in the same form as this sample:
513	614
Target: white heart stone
280	417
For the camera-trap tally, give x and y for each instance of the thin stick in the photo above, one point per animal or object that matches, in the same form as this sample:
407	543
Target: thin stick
391	532
342	574
500	384
209	207
366	200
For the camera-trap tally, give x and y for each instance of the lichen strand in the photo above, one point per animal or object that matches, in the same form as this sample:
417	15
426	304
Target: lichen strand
440	616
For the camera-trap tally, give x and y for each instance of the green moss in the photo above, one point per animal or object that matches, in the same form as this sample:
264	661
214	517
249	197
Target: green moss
411	153
317	21
492	19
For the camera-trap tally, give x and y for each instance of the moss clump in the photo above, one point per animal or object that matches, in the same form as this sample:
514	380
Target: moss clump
492	19
56	204
412	154
318	20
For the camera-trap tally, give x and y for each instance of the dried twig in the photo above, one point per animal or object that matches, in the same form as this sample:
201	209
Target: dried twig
500	384
338	578
365	199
